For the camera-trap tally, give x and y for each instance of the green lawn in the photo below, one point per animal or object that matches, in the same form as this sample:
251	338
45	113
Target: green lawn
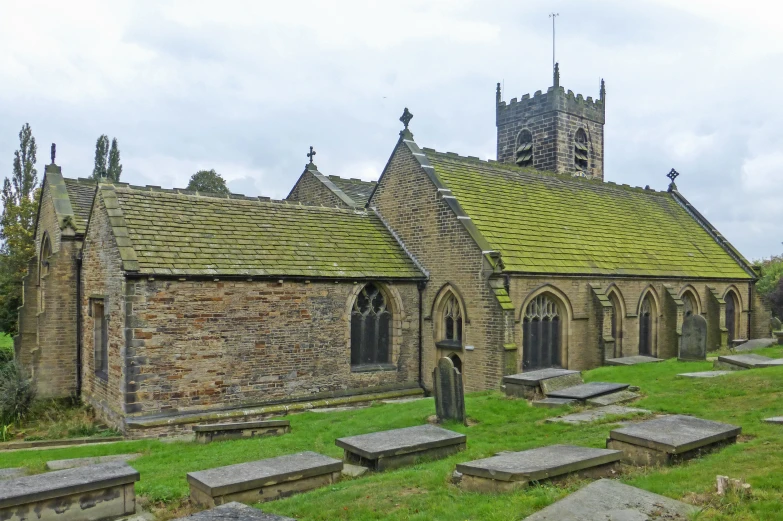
423	492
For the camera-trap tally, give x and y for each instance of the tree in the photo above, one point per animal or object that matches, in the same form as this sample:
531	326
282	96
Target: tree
115	167
101	154
770	284
17	225
208	181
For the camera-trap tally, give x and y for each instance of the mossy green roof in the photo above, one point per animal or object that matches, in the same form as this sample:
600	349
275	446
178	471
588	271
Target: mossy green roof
359	191
552	223
174	233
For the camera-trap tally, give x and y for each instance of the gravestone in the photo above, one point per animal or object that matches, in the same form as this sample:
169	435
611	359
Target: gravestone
632	360
586	391
528	385
558	383
234	512
591	415
748	361
609	500
704	374
693	343
62	464
775	325
448	391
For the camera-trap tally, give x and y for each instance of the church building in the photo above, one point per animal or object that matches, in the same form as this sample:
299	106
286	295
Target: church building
164	308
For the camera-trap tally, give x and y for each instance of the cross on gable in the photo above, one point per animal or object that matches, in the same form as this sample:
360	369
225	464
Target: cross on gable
406	117
673	174
311	154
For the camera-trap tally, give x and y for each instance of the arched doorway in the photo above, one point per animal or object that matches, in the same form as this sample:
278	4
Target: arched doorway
732	315
647	314
618	315
542	334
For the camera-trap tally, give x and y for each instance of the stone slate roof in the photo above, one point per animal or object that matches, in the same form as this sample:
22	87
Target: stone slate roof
552	223
359	191
176	232
81	193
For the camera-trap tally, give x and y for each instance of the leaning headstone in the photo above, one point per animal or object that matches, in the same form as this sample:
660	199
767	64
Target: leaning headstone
610	500
234	512
448	391
775	325
693	343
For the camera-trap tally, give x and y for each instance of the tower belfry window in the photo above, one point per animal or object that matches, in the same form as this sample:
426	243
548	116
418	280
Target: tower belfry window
524	152
580	149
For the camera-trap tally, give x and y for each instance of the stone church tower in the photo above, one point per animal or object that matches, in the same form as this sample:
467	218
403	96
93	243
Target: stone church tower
556	131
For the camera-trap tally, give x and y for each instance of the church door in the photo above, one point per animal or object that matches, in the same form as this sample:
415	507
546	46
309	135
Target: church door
731	309
541	334
645	328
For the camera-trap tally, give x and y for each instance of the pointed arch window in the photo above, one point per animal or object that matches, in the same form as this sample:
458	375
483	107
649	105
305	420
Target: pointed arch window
732	315
580	149
647	326
451	329
370	328
541	334
524	152
689	304
43	269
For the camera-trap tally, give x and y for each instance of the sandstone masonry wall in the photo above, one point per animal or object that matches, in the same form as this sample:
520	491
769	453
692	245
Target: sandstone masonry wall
311	190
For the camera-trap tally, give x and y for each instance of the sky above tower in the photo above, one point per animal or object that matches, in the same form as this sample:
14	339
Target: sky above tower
246	87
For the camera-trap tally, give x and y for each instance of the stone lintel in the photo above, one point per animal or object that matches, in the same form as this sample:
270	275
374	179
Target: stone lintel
538	464
675	434
42	487
400	441
222	481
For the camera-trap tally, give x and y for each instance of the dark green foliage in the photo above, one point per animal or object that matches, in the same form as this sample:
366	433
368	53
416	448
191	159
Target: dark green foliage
115	167
20	206
770	284
208	181
17	393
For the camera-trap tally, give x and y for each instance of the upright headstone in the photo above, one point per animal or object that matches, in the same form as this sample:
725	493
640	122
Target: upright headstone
693	343
448	391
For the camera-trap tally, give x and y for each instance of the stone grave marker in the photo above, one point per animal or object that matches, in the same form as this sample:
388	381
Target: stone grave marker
704	374
591	415
632	360
528	385
775	325
610	500
448	391
745	361
560	382
399	447
62	464
234	512
693	342
239	430
613	398
586	391
756	343
553	403
513	470
670	439
777	420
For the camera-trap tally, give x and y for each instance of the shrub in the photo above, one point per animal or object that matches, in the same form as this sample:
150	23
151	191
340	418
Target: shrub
770	284
6	355
17	393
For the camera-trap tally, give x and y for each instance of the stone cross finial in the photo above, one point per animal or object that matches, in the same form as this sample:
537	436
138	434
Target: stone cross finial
54	152
673	174
406	117
497	94
603	89
311	154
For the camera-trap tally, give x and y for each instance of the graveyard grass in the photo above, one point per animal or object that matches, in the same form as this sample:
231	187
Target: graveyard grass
424	491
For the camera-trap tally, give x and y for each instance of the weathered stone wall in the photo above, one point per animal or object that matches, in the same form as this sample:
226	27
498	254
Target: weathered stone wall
198	345
553	118
762	315
583	330
408	201
311	190
102	277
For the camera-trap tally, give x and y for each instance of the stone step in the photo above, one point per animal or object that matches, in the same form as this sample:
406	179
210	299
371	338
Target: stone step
586	391
613	398
553	403
632	360
513	470
607	499
749	361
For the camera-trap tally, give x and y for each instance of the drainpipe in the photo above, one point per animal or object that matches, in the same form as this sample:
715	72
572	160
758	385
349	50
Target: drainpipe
421	286
79	325
750	307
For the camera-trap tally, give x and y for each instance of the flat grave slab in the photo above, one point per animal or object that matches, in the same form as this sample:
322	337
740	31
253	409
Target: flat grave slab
705	374
756	343
234	512
748	361
599	413
670	439
96	492
613	398
558	383
528	384
399	447
512	470
16	472
589	390
553	403
609	500
632	360
263	480
239	430
777	420
62	464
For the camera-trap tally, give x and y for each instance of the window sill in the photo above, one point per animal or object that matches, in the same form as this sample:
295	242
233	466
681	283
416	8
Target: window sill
449	345
372	368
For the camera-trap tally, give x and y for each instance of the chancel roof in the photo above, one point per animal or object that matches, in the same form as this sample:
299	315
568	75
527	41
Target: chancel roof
81	193
557	224
176	232
359	191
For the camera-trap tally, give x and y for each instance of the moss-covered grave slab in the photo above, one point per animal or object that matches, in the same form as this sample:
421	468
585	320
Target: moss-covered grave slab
528	385
748	361
586	391
632	360
263	480
670	439
399	447
238	430
234	512
512	470
91	493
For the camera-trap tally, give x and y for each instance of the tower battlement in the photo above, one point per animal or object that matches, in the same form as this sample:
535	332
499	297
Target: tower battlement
555	130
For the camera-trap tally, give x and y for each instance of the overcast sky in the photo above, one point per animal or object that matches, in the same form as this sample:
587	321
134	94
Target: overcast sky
246	87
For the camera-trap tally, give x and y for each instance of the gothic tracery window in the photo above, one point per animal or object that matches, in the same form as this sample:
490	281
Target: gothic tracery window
646	326
524	153
580	149
43	270
541	334
452	320
370	327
